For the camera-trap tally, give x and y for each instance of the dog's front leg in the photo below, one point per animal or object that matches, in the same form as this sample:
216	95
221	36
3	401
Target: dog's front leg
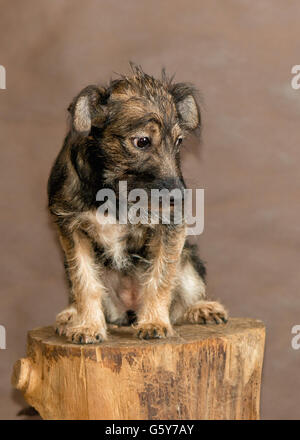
85	321
153	319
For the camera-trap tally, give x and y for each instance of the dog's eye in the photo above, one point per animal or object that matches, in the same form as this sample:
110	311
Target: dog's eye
142	142
178	141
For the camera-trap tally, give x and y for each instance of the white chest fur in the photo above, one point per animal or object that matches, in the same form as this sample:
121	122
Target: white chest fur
111	237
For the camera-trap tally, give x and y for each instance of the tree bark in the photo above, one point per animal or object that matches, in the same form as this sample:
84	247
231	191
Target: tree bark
204	372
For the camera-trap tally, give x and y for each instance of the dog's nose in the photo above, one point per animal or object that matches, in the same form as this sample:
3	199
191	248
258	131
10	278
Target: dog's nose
171	183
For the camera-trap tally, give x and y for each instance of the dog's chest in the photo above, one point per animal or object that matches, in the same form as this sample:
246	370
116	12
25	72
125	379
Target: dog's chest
118	245
113	241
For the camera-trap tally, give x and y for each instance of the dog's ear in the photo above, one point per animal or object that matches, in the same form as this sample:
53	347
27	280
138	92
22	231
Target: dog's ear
187	106
87	109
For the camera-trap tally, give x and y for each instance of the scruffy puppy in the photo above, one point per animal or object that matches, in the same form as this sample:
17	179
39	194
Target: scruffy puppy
118	273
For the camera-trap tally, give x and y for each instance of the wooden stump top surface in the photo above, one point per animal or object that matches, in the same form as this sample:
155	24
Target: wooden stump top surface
124	337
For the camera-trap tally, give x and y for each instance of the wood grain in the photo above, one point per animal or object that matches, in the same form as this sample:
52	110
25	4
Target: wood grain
204	372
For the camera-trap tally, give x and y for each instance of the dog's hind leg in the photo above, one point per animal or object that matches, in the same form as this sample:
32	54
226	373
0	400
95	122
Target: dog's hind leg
189	304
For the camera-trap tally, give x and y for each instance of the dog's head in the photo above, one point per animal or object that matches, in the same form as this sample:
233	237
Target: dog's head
132	131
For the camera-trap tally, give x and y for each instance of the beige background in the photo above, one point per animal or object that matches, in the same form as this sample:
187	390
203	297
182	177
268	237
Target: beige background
239	54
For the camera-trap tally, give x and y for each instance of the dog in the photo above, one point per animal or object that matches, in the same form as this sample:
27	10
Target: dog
147	275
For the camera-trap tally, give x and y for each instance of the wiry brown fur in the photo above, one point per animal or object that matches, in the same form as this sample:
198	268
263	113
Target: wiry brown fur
123	273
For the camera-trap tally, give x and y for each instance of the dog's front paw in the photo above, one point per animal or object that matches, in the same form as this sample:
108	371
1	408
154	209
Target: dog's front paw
83	334
153	331
205	311
65	319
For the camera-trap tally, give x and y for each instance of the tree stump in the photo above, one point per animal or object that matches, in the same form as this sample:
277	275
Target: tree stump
204	372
